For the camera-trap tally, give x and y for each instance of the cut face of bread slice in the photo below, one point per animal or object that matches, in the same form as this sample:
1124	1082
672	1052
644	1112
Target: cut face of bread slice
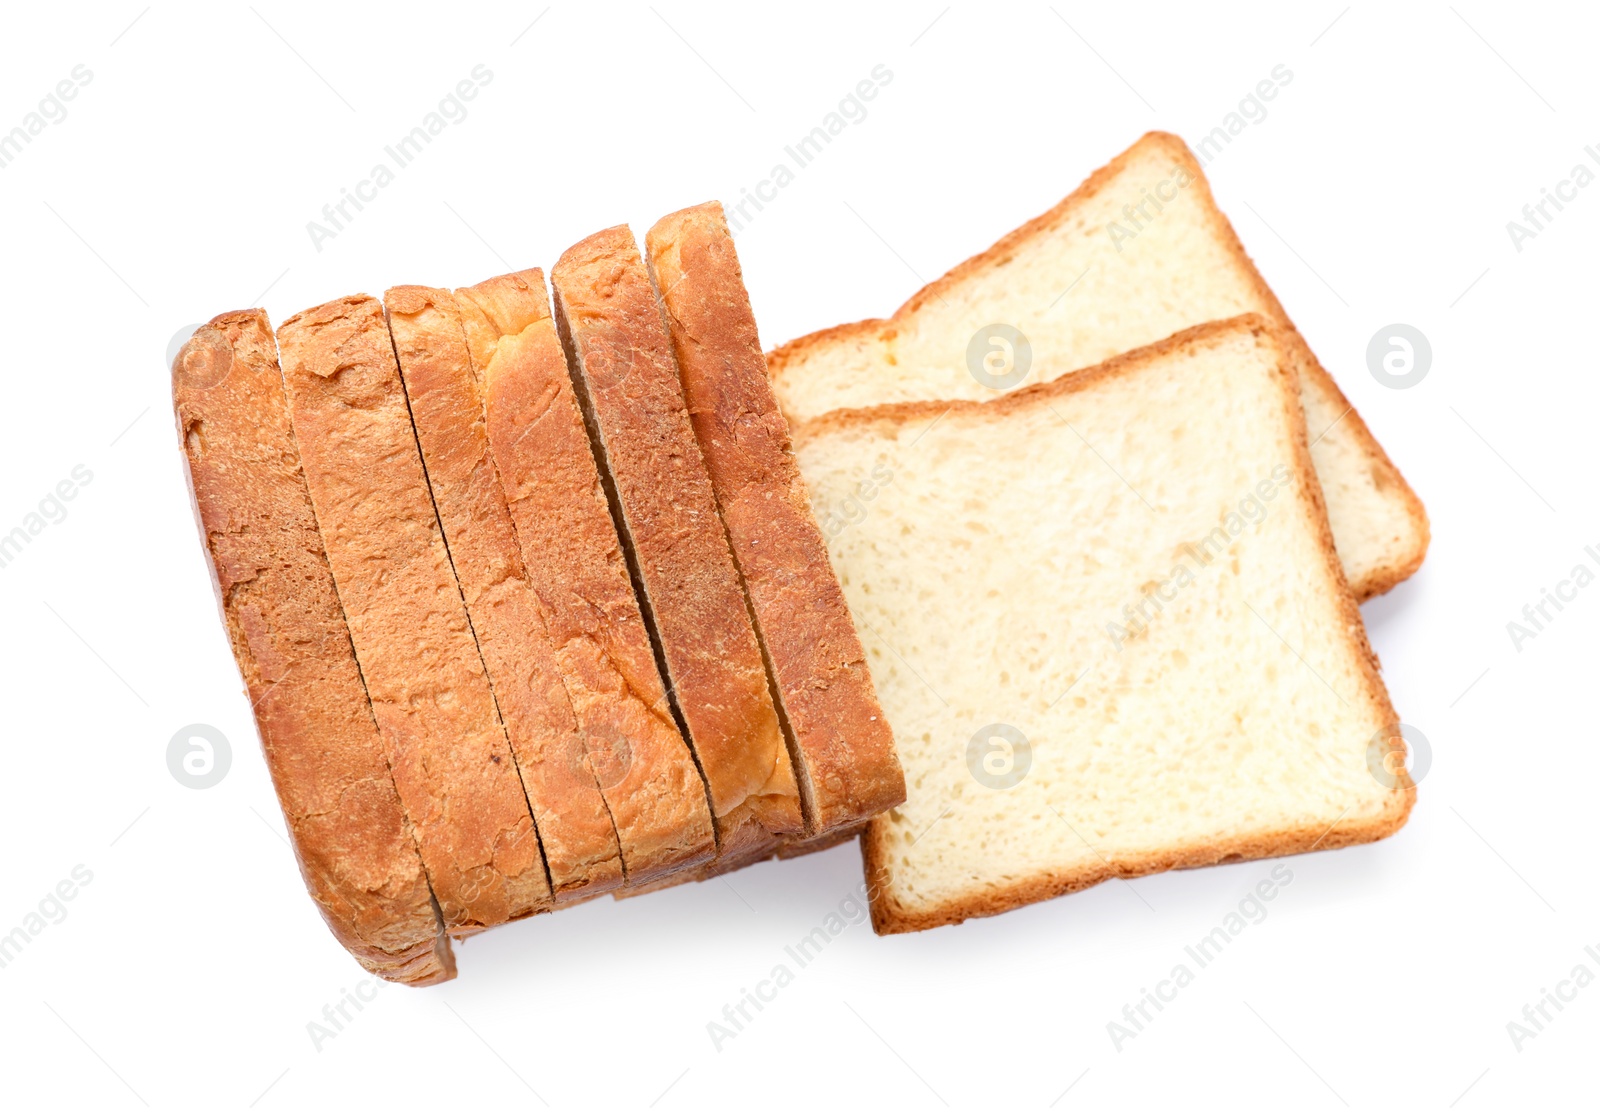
575	829
350	834
1137	253
430	694
627	384
1108	625
843	748
574	561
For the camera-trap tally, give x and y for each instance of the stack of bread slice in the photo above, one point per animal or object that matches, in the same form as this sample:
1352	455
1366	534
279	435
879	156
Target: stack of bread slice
1112	599
537	601
530	608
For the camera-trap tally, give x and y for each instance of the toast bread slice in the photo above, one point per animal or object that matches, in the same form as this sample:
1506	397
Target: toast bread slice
842	745
628	388
575	565
430	693
1165	670
1137	253
350	834
575	829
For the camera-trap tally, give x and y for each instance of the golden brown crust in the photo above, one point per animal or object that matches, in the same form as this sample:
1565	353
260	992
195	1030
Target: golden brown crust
574	561
843	745
349	832
746	843
430	694
794	848
628	386
762	848
888	915
575	830
1388	478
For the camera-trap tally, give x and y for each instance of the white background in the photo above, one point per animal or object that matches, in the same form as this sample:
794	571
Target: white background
1377	190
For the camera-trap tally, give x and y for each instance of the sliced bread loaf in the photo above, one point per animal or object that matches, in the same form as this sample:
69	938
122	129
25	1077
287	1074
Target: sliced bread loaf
1138	252
843	748
430	693
356	848
632	400
575	830
574	562
1109	628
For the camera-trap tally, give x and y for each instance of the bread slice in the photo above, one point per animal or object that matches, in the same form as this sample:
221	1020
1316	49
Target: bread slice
574	561
843	747
575	829
1109	628
628	388
1138	252
350	834
429	690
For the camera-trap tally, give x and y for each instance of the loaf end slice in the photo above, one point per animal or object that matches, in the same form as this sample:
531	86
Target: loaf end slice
430	693
1138	252
574	560
1144	654
843	747
350	834
574	826
627	384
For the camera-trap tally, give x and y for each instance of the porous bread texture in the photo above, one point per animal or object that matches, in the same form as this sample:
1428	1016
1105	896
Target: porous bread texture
842	746
430	693
1081	291
350	835
627	385
574	561
1238	713
575	830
